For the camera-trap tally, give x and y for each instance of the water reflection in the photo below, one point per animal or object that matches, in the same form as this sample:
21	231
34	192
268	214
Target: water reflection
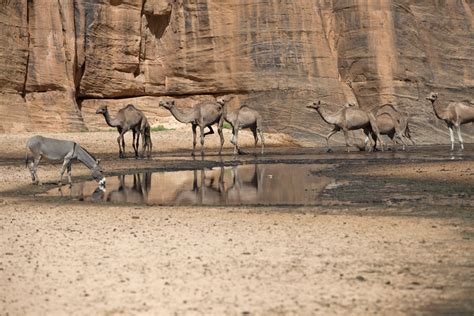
136	192
237	185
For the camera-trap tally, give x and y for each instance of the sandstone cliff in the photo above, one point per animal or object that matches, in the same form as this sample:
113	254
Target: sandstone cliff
60	59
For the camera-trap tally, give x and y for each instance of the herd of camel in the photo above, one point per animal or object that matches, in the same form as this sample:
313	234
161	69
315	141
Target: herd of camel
385	119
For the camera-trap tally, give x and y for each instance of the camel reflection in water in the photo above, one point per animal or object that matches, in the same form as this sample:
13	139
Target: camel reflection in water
136	193
237	185
211	188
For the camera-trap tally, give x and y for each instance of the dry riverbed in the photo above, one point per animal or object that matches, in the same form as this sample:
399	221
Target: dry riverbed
62	256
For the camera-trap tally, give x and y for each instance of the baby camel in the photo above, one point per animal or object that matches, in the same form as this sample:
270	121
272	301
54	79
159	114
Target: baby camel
455	114
245	117
204	115
348	119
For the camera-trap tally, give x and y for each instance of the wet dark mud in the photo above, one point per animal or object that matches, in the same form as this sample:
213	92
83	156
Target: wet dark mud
291	177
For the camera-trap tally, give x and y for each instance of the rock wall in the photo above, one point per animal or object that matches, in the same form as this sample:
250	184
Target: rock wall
60	59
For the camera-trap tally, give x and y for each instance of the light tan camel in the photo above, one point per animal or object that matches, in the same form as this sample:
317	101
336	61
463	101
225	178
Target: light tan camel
391	122
204	115
127	118
348	119
245	117
455	114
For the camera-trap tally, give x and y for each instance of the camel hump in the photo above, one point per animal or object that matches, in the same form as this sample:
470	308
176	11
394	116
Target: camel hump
380	109
130	106
243	106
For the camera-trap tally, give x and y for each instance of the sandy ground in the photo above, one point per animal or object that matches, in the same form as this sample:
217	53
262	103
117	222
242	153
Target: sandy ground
72	258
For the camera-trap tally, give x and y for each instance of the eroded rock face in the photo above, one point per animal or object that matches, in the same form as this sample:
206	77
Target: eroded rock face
61	58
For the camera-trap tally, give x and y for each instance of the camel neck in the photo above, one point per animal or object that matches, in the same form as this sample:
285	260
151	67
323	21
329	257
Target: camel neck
111	122
231	117
328	118
439	112
180	116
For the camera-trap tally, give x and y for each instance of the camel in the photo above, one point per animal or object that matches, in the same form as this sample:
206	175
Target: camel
455	114
391	122
145	130
348	119
245	117
387	125
127	118
204	115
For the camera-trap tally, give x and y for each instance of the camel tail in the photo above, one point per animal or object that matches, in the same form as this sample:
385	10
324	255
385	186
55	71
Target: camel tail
260	124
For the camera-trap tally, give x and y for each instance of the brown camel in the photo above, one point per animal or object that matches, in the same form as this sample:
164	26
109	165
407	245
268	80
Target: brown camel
391	122
204	115
455	114
348	119
387	125
245	117
127	118
145	130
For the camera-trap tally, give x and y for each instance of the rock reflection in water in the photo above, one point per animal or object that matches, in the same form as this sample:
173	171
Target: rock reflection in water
275	184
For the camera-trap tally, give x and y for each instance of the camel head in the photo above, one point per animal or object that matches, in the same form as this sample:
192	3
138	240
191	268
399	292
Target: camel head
224	99
314	105
432	96
349	105
167	104
101	110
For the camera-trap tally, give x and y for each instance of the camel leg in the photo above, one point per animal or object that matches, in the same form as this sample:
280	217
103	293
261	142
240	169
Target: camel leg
120	146
334	131
235	136
261	139
373	140
150	146
134	142
194	138
137	144
201	129
255	137
368	137
211	131
233	140
221	135
451	134
460	136
121	142
373	125
398	134
346	138
144	143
